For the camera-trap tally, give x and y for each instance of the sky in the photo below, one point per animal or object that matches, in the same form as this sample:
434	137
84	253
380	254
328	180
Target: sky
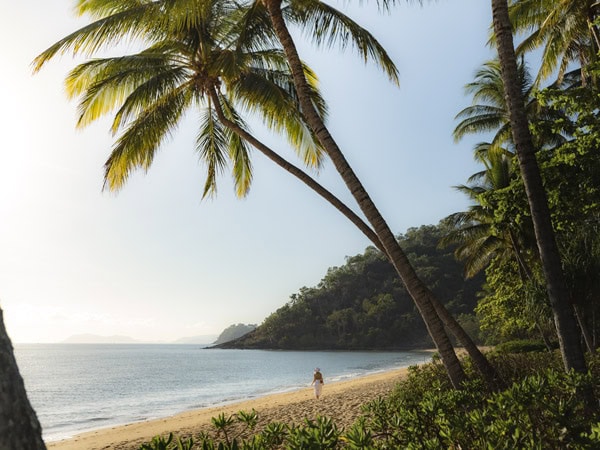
155	261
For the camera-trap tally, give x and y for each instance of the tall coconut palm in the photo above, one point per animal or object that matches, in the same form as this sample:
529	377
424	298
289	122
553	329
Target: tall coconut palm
326	25
568	334
152	89
566	29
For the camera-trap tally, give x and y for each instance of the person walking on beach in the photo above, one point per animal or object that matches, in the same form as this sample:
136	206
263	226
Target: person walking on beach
317	382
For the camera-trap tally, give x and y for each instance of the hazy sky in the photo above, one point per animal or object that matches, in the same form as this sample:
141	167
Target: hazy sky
154	261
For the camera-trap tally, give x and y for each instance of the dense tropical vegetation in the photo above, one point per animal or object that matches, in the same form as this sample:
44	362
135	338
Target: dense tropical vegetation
530	237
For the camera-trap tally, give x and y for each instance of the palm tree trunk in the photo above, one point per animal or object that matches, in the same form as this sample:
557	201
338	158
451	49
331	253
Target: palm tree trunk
417	290
19	425
568	335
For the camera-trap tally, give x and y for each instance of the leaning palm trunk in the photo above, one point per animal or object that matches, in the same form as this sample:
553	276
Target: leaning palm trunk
566	326
19	425
415	287
481	362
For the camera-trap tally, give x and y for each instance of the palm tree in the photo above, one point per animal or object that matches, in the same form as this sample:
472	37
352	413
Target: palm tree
566	29
328	25
479	236
568	334
101	83
19	425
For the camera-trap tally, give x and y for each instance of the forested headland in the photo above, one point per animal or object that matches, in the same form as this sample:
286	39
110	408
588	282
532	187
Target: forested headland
364	305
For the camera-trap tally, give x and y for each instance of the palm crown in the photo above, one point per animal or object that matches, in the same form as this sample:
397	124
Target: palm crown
194	56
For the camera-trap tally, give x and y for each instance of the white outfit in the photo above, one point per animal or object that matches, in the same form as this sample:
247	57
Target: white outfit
318	388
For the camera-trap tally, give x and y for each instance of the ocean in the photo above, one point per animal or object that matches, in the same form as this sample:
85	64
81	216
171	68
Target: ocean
81	387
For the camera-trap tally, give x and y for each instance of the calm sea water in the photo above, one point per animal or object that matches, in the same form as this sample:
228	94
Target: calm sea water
79	387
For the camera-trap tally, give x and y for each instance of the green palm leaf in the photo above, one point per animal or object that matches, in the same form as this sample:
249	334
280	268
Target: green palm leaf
212	144
136	23
327	26
138	144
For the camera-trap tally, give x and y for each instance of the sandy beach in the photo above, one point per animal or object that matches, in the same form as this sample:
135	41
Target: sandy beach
340	401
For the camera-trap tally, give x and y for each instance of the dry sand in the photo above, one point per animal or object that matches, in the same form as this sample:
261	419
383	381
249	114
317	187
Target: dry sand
340	401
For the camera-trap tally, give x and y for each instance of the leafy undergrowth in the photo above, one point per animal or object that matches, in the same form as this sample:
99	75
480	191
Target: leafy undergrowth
544	408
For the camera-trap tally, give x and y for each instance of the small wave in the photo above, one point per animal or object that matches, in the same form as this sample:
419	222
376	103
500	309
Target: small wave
75	422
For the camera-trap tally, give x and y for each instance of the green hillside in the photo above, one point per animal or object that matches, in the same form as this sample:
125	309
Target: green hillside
363	304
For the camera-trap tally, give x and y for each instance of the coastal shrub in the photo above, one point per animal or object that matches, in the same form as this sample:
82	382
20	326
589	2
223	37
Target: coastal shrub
274	434
358	436
321	433
158	443
161	443
513	367
430	419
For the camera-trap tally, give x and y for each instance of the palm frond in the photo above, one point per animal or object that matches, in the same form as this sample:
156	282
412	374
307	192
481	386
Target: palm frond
239	152
212	146
112	83
252	29
565	29
478	119
103	8
327	26
128	25
140	141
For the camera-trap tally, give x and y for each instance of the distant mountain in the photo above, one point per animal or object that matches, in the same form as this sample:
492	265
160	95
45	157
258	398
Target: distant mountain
96	339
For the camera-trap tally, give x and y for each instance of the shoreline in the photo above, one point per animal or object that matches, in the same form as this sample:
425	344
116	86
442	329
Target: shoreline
341	401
